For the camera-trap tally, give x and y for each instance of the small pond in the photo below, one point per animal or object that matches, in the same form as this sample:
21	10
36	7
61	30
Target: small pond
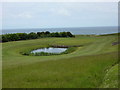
50	50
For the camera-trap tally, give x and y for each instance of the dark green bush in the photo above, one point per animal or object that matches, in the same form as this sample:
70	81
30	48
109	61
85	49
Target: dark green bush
32	35
22	36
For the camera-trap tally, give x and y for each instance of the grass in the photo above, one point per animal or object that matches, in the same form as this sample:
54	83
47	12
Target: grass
83	68
111	78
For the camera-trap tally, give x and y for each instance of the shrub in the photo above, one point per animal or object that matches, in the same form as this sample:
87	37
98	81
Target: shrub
32	35
22	36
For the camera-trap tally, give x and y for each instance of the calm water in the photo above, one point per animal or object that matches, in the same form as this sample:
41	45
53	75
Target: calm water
81	30
50	50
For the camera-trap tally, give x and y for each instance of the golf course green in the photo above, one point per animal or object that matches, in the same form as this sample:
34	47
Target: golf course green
92	65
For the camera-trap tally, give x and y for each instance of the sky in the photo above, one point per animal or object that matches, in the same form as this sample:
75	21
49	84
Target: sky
58	14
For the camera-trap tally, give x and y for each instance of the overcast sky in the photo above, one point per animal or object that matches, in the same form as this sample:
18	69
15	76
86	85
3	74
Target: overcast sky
56	14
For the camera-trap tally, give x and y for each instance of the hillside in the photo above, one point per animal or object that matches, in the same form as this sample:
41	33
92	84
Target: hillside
86	67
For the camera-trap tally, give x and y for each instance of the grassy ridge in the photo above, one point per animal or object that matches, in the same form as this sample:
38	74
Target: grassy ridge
84	68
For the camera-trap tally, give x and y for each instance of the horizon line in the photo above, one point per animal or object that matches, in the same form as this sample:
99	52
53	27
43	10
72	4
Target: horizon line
55	27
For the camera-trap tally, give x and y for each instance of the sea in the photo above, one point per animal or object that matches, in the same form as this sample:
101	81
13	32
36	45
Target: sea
74	30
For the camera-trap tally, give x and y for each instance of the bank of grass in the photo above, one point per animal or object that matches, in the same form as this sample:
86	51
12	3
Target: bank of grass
111	78
84	68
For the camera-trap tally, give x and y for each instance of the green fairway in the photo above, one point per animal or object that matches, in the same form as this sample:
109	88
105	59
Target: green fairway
86	67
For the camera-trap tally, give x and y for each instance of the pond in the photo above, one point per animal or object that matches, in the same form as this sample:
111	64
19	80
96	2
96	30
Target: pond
50	50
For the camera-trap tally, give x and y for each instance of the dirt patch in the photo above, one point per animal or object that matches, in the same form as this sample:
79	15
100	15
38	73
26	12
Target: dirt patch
115	43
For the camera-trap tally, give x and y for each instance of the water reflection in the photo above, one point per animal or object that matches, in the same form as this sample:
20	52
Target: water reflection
50	50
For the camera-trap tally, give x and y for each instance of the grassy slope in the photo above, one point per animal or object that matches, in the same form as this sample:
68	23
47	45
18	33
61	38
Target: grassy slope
111	78
83	68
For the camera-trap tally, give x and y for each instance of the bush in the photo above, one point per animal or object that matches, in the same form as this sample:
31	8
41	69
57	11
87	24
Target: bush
63	34
22	36
69	34
32	35
4	38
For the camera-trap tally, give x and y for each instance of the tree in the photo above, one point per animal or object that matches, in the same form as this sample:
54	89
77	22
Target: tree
63	34
39	34
47	32
22	36
32	35
56	34
69	34
4	38
12	37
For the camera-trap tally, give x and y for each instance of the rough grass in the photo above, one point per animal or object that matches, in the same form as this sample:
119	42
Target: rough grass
111	78
83	68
